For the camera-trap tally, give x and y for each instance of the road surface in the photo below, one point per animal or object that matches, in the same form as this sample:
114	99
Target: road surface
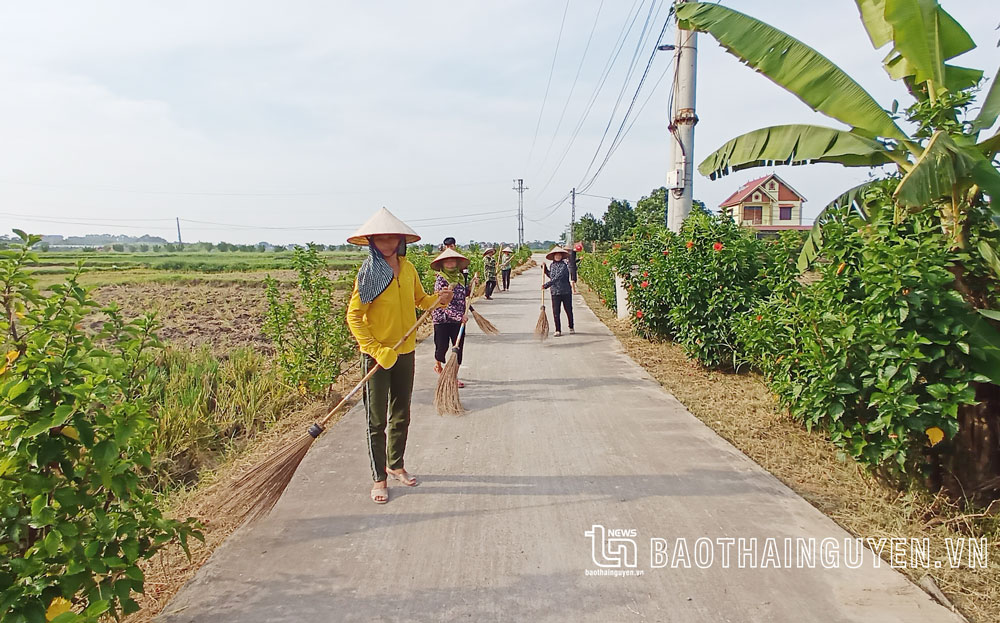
572	462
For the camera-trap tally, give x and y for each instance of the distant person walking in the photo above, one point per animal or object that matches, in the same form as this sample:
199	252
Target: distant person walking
560	287
381	311
506	256
490	268
573	264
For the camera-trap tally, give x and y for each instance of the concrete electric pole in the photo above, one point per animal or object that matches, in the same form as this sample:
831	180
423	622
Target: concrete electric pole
572	218
179	230
520	188
682	121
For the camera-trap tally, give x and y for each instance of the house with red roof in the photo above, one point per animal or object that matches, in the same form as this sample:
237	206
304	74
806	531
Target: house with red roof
767	204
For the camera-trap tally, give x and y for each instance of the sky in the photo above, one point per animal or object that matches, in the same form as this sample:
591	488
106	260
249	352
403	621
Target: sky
293	122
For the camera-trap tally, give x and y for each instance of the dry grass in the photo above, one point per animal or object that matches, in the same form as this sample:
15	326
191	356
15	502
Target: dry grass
740	408
170	569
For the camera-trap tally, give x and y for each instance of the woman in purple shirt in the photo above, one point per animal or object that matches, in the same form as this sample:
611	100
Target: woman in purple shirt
448	321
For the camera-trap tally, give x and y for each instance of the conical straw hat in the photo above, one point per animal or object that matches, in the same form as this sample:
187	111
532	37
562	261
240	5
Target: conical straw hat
489	251
383	222
506	250
556	249
463	262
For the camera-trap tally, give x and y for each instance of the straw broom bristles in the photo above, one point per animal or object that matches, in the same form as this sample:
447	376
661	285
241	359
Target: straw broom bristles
542	326
256	492
484	325
446	398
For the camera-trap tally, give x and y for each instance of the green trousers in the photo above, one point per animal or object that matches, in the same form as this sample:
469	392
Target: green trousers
387	403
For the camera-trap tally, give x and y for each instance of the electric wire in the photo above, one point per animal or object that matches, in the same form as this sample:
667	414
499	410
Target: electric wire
548	84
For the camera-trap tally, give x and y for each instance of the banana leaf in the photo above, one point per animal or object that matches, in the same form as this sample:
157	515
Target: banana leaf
984	344
794	144
990	147
991	107
855	198
940	168
793	65
924	36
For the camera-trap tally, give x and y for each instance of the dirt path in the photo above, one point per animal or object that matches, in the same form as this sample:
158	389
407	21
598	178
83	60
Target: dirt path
562	438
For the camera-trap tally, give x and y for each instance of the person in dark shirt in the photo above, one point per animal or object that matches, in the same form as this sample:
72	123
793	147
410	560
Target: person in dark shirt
506	255
490	268
560	286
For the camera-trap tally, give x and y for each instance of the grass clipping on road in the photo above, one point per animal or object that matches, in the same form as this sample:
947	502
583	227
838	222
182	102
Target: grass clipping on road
741	409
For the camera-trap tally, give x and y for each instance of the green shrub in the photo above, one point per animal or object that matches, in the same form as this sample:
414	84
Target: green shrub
422	262
595	270
691	287
76	516
311	336
876	352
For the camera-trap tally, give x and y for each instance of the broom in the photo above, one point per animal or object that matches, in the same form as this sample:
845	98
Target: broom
256	492
542	326
446	398
484	325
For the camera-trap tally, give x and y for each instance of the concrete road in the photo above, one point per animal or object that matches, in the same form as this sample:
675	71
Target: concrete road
572	461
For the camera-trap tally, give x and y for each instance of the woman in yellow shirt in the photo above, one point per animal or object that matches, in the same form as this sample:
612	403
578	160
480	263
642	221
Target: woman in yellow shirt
382	309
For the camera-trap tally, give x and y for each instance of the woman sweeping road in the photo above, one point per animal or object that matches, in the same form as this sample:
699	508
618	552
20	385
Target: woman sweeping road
380	312
561	289
449	320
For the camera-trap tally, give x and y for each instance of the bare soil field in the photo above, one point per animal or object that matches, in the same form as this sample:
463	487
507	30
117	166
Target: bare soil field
218	314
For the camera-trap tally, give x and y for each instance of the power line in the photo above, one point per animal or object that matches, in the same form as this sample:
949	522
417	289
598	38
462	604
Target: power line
240	193
617	143
113	223
83	218
576	78
635	96
619	45
621	92
548	84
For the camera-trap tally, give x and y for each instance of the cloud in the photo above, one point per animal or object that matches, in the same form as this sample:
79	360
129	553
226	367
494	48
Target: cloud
319	112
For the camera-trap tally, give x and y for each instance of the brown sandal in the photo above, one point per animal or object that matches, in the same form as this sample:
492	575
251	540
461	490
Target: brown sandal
380	495
402	477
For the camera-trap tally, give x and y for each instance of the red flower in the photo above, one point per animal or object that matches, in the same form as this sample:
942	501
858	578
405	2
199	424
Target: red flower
644	284
666	251
759	318
690	243
645	273
605	262
717	246
638	314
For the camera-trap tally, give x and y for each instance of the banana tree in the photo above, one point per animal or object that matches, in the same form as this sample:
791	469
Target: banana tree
944	162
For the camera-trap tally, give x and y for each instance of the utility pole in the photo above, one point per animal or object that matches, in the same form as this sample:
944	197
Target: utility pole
572	217
179	230
682	121
520	188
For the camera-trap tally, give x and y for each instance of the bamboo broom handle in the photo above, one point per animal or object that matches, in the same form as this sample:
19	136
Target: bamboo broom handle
468	298
317	428
543	285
